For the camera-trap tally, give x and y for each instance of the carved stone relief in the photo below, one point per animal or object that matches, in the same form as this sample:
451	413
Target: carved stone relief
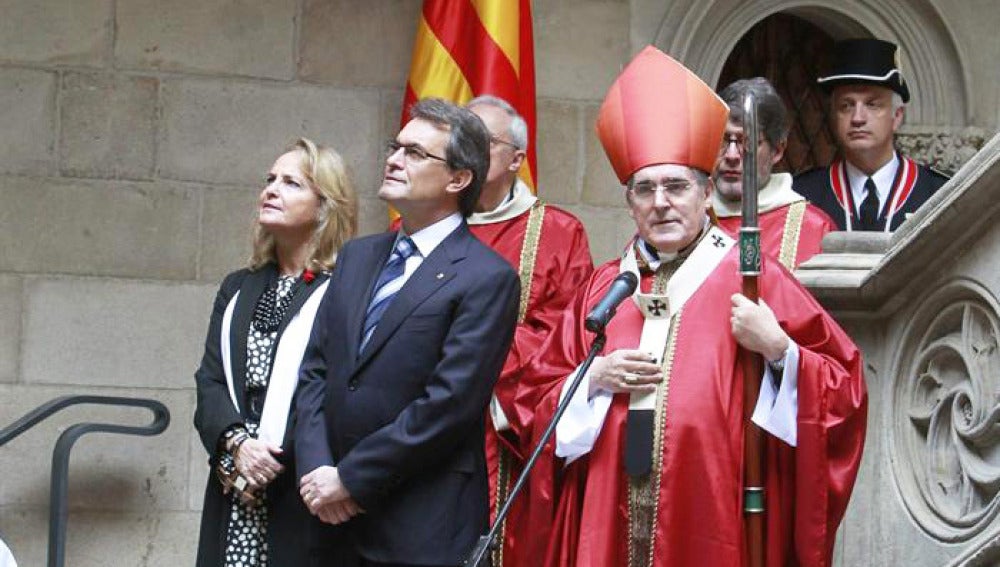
944	150
946	427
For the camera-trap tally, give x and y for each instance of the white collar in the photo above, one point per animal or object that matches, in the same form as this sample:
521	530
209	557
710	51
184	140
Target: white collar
513	206
428	238
776	194
653	260
883	179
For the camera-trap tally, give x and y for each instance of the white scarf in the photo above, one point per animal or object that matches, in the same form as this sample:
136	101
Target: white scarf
284	368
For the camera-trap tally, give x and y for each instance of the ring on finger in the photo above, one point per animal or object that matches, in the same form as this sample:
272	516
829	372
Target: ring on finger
629	379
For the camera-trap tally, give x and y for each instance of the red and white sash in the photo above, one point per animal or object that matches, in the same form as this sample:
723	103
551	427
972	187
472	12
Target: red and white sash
902	188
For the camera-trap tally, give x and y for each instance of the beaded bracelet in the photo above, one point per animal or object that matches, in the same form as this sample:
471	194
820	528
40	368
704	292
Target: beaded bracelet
237	442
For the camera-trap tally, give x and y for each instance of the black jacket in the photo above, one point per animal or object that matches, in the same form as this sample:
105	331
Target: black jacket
288	519
828	189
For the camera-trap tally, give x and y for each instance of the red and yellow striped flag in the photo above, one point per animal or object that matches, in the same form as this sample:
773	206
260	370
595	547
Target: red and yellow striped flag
467	48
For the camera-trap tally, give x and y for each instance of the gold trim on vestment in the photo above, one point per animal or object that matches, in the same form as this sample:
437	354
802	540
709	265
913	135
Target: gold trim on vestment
644	491
503	480
791	233
529	253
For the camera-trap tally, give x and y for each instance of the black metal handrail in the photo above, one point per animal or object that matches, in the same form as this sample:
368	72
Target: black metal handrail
60	455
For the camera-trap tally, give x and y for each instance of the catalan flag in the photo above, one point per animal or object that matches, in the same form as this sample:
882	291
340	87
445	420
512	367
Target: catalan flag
467	48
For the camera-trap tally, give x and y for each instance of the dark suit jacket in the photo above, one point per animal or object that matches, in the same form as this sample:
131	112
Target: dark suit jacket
404	421
817	186
287	515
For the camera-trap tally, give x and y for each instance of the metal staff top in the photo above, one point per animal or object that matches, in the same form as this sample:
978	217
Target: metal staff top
750	263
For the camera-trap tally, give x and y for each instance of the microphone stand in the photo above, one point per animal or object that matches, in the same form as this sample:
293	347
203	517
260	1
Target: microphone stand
486	542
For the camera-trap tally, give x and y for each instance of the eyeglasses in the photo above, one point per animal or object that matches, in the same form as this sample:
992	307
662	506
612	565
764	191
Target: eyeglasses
646	190
494	139
740	142
412	152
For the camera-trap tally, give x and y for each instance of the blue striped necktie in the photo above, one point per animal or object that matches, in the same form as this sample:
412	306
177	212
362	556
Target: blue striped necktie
389	282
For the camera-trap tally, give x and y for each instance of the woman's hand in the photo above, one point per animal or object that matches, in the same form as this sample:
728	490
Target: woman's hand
256	462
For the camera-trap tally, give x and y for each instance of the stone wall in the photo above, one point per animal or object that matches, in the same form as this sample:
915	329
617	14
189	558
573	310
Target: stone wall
133	135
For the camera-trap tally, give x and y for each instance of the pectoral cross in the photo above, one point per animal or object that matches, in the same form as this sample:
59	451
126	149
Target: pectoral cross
656	307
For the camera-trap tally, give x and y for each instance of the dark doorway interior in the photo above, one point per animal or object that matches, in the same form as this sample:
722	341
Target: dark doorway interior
790	52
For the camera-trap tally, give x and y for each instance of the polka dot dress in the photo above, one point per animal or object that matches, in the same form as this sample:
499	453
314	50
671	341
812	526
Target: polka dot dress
246	536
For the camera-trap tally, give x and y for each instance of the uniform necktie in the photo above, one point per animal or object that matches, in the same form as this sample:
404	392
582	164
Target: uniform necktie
869	207
389	282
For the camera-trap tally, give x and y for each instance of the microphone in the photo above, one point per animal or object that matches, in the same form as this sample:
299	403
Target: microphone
621	287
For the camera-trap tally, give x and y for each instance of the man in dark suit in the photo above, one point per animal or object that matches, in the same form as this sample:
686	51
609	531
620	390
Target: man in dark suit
872	187
407	345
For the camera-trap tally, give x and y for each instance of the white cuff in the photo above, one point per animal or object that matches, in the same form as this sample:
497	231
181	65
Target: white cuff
579	427
500	422
777	409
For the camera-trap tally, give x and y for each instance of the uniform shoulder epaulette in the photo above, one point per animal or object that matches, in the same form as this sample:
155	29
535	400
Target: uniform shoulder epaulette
937	172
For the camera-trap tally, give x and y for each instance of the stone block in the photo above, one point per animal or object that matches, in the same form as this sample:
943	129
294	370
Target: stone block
103	539
600	184
373	216
608	230
391	115
348	43
107	471
99	332
227	223
231	132
198	471
130	229
56	31
108	126
558	148
246	37
580	46
10	330
27	121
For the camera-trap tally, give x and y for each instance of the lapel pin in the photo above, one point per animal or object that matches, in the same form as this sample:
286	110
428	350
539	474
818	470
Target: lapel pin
440	275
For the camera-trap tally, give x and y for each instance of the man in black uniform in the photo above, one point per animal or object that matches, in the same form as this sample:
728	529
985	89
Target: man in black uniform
871	186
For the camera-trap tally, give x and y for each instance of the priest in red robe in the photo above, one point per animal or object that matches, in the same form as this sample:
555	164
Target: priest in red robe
548	247
791	229
653	439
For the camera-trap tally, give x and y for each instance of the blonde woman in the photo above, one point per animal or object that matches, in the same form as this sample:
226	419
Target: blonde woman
253	515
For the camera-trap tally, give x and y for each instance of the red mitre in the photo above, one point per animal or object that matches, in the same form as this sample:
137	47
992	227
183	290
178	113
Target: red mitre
658	111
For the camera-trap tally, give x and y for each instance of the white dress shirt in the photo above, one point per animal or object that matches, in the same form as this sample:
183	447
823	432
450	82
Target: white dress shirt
426	240
883	179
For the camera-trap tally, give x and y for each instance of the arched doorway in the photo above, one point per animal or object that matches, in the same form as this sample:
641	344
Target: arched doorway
790	52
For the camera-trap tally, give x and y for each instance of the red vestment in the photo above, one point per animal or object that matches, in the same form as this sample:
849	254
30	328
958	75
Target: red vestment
562	264
777	200
698	515
814	226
